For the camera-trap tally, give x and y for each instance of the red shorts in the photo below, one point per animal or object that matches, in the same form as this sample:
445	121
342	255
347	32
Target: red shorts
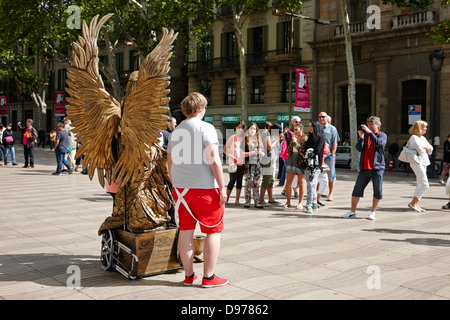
205	207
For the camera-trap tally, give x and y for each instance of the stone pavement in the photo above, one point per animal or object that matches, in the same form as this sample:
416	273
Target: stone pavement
48	226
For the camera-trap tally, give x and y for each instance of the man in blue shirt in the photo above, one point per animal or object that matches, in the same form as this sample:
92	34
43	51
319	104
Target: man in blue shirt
331	139
61	143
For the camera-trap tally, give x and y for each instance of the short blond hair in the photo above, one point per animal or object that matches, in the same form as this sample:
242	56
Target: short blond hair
417	127
193	103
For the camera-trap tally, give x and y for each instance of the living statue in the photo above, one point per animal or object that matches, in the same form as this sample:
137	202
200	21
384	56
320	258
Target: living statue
120	140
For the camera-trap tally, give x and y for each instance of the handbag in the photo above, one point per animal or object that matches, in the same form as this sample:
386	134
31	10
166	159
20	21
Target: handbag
8	139
232	168
408	155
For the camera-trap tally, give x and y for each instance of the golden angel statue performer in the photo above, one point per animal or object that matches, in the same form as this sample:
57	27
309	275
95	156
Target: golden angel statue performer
120	139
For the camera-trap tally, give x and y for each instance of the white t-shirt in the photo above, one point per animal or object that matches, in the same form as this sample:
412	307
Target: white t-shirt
190	164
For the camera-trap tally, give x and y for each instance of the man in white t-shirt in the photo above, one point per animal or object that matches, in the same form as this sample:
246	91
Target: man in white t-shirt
199	190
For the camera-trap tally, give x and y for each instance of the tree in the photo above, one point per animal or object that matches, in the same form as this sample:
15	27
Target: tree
41	27
351	84
241	9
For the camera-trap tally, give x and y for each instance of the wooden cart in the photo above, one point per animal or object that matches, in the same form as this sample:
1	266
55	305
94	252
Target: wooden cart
137	255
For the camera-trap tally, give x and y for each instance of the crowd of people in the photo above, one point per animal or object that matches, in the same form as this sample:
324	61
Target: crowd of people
301	160
61	139
306	163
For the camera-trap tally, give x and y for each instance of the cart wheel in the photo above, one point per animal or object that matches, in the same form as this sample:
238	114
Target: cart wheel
107	247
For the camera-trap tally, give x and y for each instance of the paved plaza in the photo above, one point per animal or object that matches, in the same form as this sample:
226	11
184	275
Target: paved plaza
48	229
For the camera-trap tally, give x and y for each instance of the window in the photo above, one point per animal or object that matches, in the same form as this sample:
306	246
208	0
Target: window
204	50
285	87
284	37
205	84
258	89
230	46
229	51
134	61
119	62
230	91
414	92
358	10
255	45
62	77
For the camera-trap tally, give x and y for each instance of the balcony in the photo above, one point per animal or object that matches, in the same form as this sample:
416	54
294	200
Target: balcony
252	60
356	28
413	19
400	21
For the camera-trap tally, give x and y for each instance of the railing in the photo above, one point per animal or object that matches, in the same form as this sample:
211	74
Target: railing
232	62
413	19
355	28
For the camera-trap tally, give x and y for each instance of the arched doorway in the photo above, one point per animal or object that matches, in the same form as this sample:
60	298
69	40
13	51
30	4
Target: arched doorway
363	98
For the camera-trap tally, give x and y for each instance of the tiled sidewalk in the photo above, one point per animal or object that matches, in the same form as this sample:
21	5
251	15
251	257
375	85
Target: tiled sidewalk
48	228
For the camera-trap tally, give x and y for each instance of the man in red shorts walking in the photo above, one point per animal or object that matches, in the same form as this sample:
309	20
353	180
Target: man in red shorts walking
199	190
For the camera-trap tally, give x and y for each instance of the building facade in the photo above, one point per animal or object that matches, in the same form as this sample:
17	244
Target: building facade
21	106
392	67
215	71
391	60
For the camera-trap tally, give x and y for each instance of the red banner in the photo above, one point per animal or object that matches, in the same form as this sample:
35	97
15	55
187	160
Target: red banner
302	102
60	105
4	105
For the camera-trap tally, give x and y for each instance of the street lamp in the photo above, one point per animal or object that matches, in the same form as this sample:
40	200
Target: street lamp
436	61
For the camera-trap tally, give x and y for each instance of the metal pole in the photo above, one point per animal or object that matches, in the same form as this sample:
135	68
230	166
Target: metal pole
433	172
291	44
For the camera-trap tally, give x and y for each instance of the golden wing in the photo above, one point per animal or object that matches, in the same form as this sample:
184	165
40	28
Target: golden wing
143	114
94	112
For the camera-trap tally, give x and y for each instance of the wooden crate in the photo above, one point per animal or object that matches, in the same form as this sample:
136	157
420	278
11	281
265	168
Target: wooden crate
145	254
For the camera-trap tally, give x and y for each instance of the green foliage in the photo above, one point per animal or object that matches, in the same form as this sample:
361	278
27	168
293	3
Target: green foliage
41	27
256	5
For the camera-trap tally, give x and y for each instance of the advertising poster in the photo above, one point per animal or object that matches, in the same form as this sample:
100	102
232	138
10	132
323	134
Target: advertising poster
4	105
302	103
60	106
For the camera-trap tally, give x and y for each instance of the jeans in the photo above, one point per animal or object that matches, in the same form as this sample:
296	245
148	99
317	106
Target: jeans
60	161
13	154
283	173
330	161
311	178
363	180
28	153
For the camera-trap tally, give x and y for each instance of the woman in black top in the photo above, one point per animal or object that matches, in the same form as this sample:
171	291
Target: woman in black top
446	164
313	156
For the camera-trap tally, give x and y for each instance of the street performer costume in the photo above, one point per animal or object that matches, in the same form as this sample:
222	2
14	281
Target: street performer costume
120	140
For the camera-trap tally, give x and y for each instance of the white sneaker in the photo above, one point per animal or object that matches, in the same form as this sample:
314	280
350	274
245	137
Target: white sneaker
441	182
349	215
372	216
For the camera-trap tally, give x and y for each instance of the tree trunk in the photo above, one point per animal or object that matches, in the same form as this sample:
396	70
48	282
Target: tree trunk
351	86
41	109
242	62
110	70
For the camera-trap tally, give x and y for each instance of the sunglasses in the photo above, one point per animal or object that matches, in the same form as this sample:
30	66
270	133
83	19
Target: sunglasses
322	117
